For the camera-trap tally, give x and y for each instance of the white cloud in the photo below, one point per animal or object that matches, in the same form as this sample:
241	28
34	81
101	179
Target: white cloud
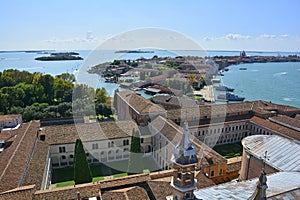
284	36
230	36
233	36
268	36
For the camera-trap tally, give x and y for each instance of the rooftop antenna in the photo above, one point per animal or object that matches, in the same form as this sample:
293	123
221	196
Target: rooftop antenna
264	159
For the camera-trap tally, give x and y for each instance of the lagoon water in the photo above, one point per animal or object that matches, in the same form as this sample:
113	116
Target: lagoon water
275	82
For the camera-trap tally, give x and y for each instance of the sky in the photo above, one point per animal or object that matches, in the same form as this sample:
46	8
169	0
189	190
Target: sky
261	25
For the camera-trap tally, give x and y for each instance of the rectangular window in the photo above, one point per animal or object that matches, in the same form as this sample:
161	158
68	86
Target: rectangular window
142	140
95	146
221	172
188	176
62	149
212	173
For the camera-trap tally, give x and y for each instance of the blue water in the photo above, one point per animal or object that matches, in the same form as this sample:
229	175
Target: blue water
276	82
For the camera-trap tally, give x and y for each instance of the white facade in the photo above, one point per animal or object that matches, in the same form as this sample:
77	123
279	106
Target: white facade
10	121
103	151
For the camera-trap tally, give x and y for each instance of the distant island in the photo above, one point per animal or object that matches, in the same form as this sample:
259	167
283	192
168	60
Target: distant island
60	56
134	51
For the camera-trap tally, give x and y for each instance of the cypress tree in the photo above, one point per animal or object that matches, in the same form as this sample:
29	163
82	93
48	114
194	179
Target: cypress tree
82	171
135	162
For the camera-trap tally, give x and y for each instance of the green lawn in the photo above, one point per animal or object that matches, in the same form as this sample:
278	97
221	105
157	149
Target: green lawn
64	176
99	178
64	184
120	175
229	150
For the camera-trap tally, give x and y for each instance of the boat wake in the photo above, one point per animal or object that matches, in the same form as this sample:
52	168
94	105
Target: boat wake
288	99
280	73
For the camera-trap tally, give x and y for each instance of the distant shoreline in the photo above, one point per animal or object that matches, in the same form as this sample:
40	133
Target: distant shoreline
60	56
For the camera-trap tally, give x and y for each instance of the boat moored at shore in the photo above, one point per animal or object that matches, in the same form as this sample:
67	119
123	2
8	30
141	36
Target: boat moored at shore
230	97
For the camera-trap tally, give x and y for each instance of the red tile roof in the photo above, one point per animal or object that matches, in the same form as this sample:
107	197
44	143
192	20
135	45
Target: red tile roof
15	158
174	133
64	134
139	104
286	121
281	130
37	165
9	117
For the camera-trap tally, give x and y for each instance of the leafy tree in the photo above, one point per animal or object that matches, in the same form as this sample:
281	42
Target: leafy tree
61	87
47	81
103	109
135	162
134	64
101	96
116	62
82	171
67	77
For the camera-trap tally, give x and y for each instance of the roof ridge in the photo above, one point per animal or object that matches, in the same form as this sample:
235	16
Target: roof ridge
14	153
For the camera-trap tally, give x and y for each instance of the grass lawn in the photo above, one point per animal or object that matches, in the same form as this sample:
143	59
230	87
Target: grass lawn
64	184
229	150
120	175
64	176
99	178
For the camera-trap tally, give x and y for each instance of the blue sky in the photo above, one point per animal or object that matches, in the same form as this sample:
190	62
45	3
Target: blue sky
224	25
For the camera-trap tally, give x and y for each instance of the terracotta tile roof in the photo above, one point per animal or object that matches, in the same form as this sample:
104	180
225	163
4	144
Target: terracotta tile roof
281	130
261	107
203	181
64	134
174	133
20	193
135	187
160	189
9	117
297	116
37	165
138	103
113	195
92	189
208	110
15	158
129	193
7	135
136	193
286	121
268	106
173	102
233	167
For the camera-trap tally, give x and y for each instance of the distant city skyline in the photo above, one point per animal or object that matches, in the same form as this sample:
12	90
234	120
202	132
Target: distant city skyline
214	25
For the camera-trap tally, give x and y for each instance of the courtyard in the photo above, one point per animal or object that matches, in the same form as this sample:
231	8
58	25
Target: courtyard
64	176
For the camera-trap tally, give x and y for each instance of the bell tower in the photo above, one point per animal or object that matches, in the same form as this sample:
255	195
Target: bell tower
184	159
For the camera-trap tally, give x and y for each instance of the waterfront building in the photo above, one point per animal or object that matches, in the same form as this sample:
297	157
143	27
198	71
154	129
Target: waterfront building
33	150
230	123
